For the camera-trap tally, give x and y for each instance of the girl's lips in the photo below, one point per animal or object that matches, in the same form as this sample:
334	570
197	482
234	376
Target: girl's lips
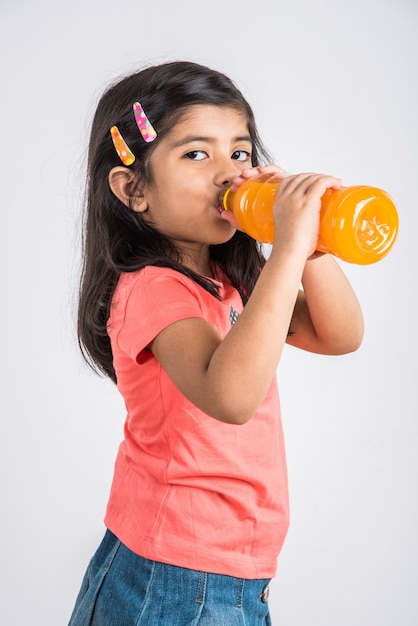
221	198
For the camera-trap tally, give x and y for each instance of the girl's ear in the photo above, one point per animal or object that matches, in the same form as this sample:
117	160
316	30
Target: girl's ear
121	181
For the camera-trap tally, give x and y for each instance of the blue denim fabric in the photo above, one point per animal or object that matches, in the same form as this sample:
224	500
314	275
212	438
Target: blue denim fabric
121	588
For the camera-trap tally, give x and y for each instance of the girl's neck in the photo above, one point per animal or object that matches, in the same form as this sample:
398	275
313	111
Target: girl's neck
198	262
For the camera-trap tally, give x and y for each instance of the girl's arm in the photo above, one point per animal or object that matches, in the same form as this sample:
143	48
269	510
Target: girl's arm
327	318
228	379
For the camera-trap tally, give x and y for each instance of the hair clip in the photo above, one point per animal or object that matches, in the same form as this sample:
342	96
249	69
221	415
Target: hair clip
125	154
145	127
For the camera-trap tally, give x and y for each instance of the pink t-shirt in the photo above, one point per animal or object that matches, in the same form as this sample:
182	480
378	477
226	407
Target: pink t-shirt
188	489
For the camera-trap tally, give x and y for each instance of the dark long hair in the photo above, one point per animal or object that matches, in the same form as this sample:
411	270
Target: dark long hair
115	238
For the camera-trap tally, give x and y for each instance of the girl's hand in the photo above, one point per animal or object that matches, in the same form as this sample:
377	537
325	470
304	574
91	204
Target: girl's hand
297	210
297	205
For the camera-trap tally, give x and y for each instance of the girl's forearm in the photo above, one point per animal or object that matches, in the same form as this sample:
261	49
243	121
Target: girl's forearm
244	364
328	317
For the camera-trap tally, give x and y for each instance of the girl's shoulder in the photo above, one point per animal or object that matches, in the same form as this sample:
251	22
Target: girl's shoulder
149	299
145	299
151	277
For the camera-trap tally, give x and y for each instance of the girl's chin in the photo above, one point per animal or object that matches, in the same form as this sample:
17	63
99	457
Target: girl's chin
227	237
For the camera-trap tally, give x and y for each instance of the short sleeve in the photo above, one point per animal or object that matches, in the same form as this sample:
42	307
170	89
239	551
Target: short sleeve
148	301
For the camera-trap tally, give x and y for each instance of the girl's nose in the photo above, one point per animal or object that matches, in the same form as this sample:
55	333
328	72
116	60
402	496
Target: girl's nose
226	174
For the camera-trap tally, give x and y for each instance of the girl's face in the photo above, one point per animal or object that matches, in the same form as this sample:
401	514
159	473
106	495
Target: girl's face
207	148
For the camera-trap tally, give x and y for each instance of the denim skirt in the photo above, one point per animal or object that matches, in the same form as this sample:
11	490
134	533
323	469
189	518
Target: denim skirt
121	588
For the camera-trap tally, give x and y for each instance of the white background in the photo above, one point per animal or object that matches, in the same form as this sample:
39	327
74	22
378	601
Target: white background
334	88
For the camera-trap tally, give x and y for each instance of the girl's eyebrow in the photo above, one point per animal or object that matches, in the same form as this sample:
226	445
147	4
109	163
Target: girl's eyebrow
197	138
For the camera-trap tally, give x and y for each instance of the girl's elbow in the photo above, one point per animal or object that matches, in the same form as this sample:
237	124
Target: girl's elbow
350	342
356	342
236	413
239	420
357	335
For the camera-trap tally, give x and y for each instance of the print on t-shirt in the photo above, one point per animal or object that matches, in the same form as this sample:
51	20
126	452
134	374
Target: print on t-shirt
233	315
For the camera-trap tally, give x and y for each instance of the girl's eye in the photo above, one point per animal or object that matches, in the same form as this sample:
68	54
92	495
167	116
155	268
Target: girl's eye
196	155
241	155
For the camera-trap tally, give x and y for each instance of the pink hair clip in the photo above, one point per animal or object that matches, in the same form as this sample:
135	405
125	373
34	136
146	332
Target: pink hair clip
125	154
145	128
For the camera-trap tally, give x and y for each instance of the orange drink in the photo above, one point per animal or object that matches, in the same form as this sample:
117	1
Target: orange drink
357	224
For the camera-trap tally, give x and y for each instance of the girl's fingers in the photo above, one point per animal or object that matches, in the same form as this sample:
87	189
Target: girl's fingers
251	172
297	208
272	168
309	183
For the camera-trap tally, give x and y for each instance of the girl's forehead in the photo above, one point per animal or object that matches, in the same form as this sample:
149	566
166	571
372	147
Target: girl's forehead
208	115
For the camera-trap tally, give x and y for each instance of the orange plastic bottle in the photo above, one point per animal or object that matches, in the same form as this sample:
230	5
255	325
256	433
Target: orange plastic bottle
357	224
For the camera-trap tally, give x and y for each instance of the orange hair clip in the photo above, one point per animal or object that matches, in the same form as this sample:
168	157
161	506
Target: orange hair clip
125	154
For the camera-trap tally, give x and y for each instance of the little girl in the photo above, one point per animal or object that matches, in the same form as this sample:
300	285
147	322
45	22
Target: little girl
183	312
